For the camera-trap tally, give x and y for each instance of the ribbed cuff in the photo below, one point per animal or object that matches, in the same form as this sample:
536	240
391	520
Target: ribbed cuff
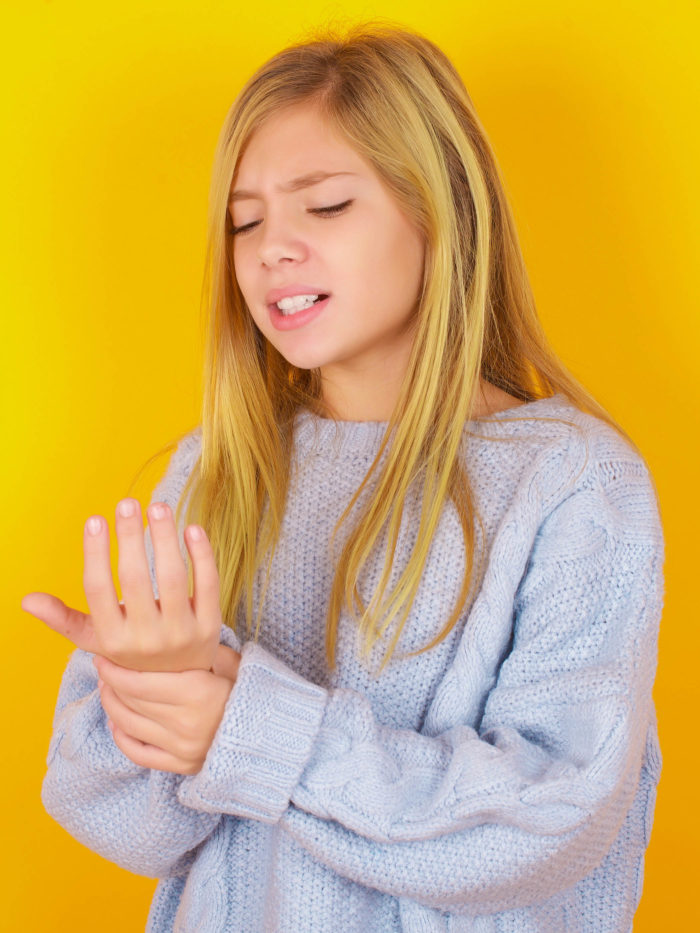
263	742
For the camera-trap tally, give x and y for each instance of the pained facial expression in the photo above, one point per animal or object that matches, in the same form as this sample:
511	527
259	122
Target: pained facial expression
343	236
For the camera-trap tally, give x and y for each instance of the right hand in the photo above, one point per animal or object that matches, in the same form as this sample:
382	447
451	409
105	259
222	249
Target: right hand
166	720
177	632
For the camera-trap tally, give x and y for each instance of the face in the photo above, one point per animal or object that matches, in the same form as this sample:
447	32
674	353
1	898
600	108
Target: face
311	217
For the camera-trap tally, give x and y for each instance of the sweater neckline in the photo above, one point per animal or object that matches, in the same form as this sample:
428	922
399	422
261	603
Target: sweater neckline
317	434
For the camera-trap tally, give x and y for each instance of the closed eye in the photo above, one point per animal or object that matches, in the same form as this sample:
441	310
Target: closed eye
244	229
332	211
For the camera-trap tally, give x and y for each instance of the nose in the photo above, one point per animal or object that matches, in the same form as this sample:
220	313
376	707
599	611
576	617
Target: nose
280	241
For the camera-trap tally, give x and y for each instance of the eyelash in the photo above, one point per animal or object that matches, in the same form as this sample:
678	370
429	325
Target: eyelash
332	211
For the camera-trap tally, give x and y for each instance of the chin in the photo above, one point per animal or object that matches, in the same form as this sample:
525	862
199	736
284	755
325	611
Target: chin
305	358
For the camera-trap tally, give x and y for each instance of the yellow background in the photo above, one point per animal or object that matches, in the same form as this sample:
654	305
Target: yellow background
110	116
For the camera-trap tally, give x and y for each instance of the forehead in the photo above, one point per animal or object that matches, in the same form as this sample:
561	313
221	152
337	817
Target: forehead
290	146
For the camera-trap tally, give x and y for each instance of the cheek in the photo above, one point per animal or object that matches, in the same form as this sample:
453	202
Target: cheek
239	266
395	267
244	275
412	257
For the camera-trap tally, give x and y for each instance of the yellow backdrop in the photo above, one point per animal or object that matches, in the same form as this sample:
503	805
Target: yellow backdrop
111	113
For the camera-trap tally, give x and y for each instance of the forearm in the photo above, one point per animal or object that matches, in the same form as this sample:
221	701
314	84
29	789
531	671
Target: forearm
128	814
454	822
513	843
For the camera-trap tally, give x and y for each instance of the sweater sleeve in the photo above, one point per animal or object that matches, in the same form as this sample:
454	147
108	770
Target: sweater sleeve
475	819
125	813
128	814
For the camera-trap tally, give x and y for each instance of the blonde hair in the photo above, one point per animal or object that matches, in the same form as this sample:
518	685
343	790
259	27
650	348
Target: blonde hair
401	104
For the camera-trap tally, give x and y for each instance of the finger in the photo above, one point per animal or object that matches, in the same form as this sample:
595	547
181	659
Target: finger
134	576
154	686
149	756
169	715
97	574
206	578
171	572
71	623
135	724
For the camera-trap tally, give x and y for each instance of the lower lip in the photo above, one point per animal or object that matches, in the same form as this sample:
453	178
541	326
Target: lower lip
292	321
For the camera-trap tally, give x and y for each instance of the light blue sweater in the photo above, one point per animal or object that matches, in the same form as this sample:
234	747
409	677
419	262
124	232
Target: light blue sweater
503	781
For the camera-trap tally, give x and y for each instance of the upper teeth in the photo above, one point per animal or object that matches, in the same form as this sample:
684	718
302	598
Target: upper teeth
295	303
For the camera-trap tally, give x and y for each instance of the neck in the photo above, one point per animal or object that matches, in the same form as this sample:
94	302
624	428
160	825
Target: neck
374	399
363	394
359	402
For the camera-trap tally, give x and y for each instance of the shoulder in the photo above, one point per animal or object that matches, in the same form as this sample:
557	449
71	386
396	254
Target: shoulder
189	446
549	435
600	485
555	428
571	470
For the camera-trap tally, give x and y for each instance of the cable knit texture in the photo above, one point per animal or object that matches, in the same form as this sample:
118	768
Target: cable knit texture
503	782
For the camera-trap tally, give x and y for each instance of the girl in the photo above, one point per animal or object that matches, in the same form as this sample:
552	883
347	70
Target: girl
411	689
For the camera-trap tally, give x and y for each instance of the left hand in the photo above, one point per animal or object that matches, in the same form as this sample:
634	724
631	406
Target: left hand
165	720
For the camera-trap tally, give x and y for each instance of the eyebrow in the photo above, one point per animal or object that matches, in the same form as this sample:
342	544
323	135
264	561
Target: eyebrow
296	184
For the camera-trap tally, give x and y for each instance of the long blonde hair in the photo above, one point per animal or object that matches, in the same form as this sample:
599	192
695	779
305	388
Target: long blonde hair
402	105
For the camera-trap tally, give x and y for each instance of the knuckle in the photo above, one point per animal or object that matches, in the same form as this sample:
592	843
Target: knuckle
189	767
171	577
178	638
212	626
148	644
209	576
191	752
109	643
189	726
138	757
93	586
131	574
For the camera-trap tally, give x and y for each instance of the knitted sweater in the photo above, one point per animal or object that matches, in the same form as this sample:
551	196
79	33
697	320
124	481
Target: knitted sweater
505	780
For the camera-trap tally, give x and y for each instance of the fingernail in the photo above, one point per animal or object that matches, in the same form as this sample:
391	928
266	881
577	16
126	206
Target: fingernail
196	533
93	525
158	510
127	508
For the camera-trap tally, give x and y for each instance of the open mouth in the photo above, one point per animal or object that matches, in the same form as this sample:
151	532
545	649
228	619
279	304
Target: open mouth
292	313
297	303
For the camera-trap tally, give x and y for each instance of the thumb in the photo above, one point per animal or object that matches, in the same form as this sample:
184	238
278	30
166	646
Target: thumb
74	625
